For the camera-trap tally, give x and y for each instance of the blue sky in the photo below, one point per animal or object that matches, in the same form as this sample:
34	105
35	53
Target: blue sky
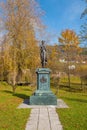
61	15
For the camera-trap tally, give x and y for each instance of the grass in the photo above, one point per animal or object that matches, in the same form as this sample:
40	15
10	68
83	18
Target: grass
74	79
12	118
75	84
75	117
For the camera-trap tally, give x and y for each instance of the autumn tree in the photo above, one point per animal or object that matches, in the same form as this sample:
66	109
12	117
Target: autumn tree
70	49
53	57
20	19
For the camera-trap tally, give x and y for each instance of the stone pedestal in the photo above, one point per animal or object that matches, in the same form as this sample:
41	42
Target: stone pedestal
43	95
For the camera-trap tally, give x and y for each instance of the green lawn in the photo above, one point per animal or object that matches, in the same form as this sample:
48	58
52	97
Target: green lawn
75	84
12	118
75	117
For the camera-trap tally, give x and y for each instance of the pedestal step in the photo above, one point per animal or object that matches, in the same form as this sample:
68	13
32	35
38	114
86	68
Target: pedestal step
43	98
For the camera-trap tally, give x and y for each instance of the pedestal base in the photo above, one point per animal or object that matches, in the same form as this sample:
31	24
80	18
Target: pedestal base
43	98
43	95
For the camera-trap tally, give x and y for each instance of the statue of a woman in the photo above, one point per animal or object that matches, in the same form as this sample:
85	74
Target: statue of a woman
43	54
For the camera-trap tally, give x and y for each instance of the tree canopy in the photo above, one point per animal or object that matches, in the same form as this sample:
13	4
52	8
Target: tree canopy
20	20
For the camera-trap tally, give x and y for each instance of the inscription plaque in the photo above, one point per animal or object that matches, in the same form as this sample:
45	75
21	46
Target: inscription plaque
43	80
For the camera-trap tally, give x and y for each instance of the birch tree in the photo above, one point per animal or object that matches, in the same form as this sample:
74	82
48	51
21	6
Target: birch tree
21	20
70	49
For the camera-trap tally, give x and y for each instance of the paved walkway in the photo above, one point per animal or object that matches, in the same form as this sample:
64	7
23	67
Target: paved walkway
43	119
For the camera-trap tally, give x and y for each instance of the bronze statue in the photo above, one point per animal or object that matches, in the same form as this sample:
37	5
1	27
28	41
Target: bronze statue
43	54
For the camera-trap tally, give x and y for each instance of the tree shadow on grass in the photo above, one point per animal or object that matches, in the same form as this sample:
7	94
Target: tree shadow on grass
75	99
7	91
26	89
70	89
71	83
26	98
23	96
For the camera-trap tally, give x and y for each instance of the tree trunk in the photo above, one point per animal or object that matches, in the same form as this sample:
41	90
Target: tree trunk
14	82
14	88
81	83
69	78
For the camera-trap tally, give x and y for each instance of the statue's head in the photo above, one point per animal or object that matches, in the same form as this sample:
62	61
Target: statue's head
43	42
